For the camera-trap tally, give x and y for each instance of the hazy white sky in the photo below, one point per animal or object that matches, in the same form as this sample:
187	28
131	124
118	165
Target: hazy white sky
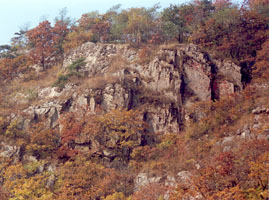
16	13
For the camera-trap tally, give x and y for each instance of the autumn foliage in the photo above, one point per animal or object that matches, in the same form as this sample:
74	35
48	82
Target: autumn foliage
97	155
46	42
41	39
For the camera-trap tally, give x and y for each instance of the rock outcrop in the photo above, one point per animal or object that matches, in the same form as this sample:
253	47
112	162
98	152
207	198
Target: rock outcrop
114	76
11	152
175	78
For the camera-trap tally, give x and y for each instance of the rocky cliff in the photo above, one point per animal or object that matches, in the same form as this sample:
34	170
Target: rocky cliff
163	86
114	77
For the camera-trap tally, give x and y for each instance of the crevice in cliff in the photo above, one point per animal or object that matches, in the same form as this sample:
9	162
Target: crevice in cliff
178	65
245	73
213	82
66	106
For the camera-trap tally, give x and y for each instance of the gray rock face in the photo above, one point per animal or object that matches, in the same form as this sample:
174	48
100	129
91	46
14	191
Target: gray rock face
197	81
51	181
49	110
225	88
182	70
48	93
173	78
98	56
115	96
37	68
228	139
184	177
143	179
259	110
229	72
197	71
9	151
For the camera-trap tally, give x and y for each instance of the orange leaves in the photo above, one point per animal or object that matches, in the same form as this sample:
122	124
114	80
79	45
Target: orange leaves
60	31
229	193
3	194
261	67
47	42
41	38
152	191
10	67
101	30
24	185
222	4
234	34
97	24
75	39
82	179
42	142
119	130
259	171
87	20
225	163
218	175
145	54
122	129
71	128
124	126
257	3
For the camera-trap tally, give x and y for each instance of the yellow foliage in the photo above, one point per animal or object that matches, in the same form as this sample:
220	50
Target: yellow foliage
82	179
22	186
42	142
75	39
259	173
13	130
116	196
229	193
168	140
123	129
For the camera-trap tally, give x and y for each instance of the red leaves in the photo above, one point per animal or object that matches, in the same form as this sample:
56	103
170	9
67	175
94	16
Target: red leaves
3	194
97	24
83	179
70	129
225	163
41	39
221	4
150	192
233	33
257	3
10	67
59	30
261	67
46	42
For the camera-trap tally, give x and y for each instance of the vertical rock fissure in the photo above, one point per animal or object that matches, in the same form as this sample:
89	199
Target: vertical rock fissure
245	73
178	65
130	100
213	82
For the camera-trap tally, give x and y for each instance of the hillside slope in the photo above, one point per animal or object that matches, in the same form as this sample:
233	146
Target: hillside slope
114	122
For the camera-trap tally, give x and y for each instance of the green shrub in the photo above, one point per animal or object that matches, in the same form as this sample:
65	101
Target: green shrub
73	70
61	81
76	65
